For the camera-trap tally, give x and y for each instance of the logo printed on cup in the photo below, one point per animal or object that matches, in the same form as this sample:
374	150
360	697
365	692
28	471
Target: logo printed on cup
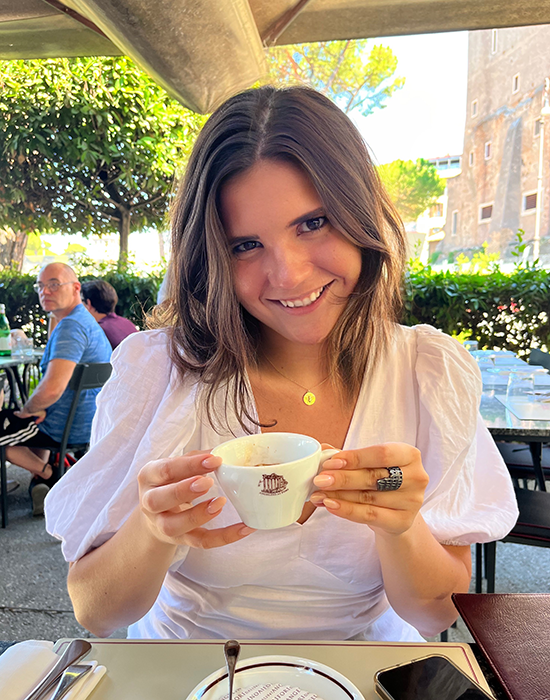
273	484
295	460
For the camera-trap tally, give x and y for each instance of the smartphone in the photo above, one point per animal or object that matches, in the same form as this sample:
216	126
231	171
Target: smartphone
429	678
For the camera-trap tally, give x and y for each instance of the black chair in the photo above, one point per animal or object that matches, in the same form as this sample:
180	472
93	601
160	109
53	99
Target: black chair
85	376
539	357
526	462
532	528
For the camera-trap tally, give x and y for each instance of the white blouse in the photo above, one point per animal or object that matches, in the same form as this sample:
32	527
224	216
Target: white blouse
319	580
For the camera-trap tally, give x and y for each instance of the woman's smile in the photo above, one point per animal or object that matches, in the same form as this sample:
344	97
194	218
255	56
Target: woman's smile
304	301
293	270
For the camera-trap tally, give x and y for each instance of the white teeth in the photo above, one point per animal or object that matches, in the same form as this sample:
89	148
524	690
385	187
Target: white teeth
302	302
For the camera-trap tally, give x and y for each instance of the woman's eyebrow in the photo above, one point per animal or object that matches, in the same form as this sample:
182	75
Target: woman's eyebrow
235	240
310	215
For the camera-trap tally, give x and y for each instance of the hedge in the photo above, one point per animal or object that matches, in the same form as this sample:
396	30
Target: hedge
506	311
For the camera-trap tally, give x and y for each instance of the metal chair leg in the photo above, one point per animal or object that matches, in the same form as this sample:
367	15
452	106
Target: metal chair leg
479	568
536	455
491	556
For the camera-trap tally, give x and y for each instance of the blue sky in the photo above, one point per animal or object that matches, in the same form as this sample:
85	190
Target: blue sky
425	119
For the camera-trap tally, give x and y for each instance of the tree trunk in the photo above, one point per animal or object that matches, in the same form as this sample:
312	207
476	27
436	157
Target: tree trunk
162	247
124	231
12	248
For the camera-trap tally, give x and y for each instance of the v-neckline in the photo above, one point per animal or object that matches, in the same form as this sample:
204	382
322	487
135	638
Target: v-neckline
351	426
254	411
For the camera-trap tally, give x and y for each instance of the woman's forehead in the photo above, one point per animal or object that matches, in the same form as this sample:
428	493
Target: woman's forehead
269	192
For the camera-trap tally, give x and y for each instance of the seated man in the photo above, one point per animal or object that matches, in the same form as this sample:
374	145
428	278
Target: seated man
100	298
39	424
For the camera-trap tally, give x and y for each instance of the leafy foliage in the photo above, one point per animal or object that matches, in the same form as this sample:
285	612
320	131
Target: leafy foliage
136	296
412	186
88	145
501	311
345	71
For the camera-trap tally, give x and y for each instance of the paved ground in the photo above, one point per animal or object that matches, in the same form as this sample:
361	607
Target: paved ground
34	603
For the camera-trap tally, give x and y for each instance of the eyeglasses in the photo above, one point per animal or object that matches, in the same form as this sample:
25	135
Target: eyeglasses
50	286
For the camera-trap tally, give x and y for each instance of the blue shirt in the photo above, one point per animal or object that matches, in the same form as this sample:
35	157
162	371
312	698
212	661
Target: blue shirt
79	338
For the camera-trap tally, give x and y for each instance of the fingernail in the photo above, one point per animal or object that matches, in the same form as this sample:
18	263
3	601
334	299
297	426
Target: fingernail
202	484
323	480
246	530
334	464
216	505
211	462
330	504
317	497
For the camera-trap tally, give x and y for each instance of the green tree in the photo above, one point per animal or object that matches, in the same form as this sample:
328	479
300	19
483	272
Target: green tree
88	145
413	186
354	75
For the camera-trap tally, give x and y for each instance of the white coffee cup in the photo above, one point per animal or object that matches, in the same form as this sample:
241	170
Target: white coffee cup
269	477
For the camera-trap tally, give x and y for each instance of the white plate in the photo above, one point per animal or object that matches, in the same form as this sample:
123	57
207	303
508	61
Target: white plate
293	671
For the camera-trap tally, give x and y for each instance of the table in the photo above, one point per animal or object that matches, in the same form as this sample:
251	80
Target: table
170	669
502	423
17	372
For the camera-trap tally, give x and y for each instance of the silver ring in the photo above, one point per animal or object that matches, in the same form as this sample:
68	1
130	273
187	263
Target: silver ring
391	482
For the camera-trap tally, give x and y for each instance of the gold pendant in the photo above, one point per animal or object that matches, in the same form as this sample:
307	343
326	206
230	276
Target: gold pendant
308	398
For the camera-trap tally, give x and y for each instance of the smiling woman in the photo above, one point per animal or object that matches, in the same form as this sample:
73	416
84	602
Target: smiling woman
293	271
286	273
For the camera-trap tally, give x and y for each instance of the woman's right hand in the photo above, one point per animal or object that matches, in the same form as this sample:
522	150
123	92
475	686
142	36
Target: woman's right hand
167	488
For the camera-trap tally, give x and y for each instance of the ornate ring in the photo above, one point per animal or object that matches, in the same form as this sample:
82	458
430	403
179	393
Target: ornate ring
391	482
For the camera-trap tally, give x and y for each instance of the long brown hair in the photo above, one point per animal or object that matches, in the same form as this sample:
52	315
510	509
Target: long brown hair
212	335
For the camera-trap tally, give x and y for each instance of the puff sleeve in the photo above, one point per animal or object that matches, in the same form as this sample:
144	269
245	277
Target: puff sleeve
470	497
144	412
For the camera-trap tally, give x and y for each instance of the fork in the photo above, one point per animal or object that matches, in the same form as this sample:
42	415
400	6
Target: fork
70	676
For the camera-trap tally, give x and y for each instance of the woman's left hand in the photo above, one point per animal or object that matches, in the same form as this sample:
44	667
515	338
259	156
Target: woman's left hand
347	486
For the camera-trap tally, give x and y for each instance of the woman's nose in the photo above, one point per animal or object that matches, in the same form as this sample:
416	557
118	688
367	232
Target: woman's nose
287	267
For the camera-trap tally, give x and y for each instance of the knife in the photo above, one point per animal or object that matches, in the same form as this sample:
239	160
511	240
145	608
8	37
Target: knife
74	652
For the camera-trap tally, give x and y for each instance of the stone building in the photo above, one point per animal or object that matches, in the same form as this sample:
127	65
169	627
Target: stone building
496	193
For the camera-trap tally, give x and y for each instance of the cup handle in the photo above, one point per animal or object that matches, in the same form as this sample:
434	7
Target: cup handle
325	454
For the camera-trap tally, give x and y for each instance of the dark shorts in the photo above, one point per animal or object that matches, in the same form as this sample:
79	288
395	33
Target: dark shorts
22	431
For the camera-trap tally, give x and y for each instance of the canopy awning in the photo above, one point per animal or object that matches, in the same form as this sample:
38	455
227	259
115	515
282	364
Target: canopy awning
202	51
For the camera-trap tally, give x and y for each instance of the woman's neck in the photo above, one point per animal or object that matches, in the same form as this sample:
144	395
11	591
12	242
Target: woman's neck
303	363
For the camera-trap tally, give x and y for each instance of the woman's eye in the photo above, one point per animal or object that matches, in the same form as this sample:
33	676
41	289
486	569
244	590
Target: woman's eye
312	224
245	247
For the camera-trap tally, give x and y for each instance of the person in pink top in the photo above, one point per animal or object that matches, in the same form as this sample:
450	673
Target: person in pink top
100	298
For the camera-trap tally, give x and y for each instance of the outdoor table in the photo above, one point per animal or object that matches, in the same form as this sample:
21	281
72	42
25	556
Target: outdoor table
17	371
170	669
504	425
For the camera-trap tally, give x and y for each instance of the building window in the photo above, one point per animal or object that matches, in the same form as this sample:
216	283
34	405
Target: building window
485	212
436	209
474	108
536	130
494	40
529	202
454	222
487	150
515	83
471	158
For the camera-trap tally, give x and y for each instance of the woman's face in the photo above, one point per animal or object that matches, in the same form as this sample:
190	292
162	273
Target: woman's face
293	271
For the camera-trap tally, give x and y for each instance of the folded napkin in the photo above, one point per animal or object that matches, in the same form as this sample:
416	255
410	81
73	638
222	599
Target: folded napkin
24	665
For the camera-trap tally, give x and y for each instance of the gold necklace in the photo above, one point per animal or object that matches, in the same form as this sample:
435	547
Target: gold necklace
309	397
